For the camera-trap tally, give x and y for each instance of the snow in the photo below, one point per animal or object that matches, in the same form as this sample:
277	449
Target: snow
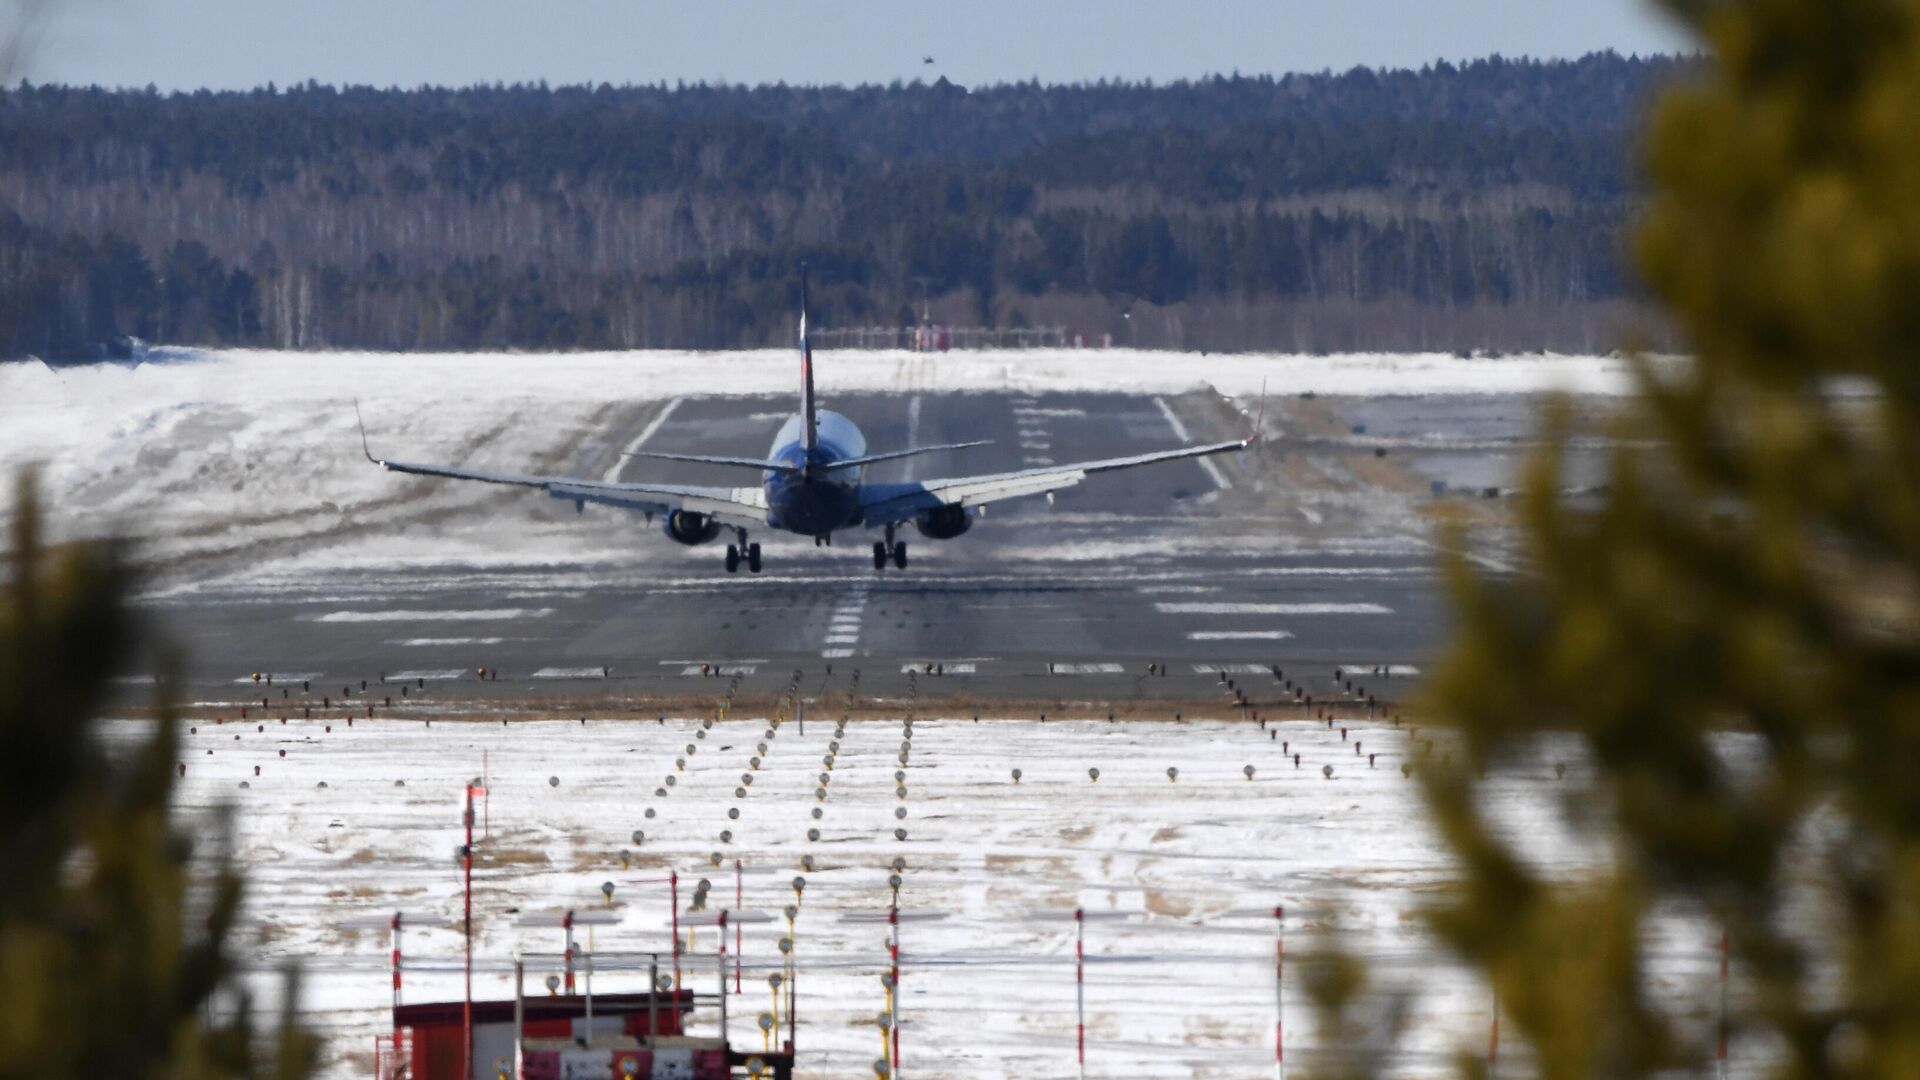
258	440
1179	982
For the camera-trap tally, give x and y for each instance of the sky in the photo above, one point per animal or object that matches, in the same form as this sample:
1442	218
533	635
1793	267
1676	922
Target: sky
222	44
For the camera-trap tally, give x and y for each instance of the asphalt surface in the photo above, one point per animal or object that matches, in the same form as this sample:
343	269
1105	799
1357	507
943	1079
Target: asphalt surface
1308	554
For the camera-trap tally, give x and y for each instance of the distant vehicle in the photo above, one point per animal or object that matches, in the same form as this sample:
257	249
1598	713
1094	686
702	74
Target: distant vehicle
811	484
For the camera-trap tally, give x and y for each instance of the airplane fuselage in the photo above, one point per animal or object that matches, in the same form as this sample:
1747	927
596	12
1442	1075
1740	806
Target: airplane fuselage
817	502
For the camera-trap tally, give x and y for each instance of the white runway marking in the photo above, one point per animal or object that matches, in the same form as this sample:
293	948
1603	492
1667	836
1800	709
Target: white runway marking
947	669
1232	669
1035	444
1025	413
570	673
280	677
419	642
1204	608
1180	432
1390	669
730	663
1239	635
1086	669
437	675
612	475
405	615
720	669
913	437
1185	590
844	624
1038	460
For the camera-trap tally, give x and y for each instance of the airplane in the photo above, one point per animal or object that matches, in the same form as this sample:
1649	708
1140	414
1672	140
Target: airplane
812	484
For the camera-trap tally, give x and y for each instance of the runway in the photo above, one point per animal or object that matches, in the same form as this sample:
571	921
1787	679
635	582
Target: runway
1310	552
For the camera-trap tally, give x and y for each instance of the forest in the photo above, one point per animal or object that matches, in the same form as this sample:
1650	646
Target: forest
1476	206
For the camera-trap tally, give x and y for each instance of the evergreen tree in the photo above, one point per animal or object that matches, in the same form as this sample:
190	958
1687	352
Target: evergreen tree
1753	571
113	948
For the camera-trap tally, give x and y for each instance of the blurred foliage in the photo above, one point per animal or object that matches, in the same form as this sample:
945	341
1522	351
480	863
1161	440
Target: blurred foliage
1751	569
113	935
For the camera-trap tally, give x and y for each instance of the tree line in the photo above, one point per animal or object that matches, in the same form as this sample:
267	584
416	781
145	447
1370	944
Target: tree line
603	217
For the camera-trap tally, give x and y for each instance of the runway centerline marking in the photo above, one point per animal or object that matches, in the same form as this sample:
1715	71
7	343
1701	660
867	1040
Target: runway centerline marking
422	642
1239	635
843	626
613	471
1086	669
1180	432
408	615
1204	608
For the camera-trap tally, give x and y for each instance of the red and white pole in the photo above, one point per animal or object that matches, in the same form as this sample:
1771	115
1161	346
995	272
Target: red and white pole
394	927
1279	993
723	974
673	897
1720	1053
893	953
1080	988
466	1008
566	924
1493	1038
739	904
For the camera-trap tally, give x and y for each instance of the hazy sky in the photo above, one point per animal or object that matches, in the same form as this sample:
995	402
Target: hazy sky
183	44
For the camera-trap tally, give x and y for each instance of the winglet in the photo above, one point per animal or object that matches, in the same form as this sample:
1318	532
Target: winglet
1260	419
364	448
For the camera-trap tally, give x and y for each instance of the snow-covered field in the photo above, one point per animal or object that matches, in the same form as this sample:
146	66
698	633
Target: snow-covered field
1178	875
253	441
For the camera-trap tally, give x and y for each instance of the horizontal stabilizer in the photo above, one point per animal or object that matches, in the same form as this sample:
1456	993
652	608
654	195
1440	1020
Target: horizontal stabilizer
701	459
895	454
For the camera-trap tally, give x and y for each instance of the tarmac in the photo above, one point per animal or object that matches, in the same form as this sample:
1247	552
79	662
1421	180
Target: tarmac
1283	568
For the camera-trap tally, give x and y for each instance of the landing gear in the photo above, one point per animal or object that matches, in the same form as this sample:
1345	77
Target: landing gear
743	552
889	548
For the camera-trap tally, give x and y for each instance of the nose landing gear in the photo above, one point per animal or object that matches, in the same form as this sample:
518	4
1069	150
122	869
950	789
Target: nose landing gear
743	551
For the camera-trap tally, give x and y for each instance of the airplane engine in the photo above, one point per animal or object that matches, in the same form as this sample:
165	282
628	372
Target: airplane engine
944	523
688	528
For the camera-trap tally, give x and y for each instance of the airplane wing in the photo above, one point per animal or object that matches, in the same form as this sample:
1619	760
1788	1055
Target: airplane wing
745	505
887	504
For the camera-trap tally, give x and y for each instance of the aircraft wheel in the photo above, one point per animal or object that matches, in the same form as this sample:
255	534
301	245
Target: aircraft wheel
900	556
733	559
753	558
879	555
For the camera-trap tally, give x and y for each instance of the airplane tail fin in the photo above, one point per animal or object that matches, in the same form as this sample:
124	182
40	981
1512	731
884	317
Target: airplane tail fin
809	429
